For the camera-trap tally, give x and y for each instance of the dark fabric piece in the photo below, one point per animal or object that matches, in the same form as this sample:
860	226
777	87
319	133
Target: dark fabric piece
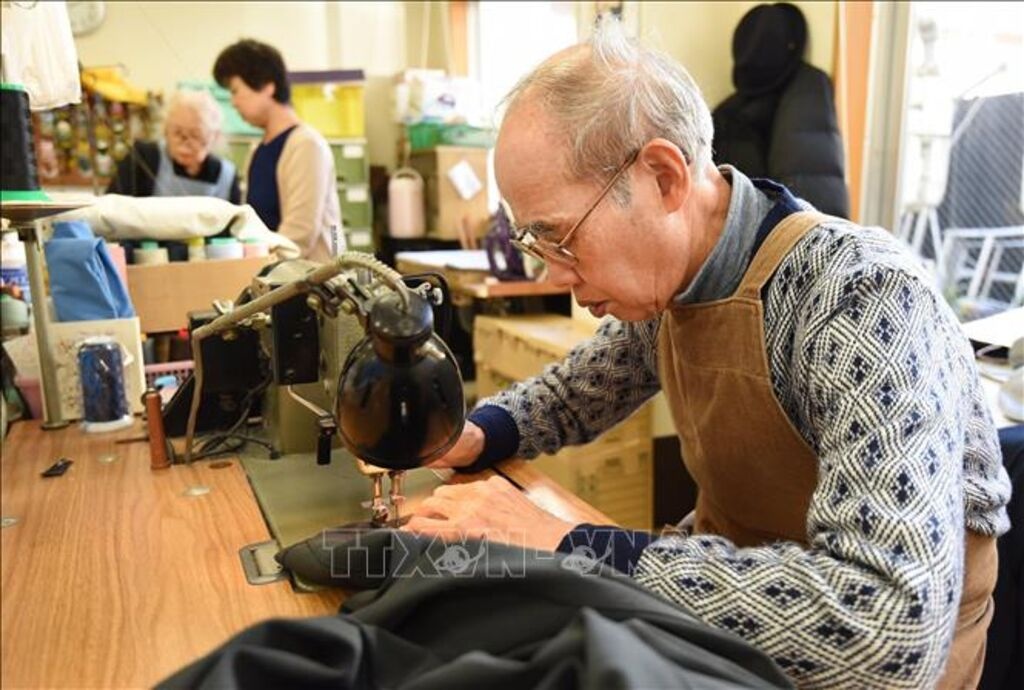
805	152
791	136
781	122
767	47
484	615
262	193
137	172
743	131
1004	663
619	548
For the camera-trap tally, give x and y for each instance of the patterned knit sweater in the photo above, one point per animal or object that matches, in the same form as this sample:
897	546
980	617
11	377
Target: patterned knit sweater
874	371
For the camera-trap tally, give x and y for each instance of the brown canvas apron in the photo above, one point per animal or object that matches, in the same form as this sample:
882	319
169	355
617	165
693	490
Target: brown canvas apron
754	471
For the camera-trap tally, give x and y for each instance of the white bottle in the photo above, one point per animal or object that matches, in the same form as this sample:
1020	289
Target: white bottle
13	264
405	204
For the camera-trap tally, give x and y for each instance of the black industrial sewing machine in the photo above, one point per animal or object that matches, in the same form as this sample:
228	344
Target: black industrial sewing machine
347	349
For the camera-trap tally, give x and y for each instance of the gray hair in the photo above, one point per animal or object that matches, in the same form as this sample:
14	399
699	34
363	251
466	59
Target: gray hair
205	107
614	96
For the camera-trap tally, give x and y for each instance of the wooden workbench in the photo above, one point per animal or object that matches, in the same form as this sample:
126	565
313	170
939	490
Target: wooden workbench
114	577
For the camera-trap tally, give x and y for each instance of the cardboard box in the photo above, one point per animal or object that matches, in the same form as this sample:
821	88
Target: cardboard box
446	209
164	294
615	478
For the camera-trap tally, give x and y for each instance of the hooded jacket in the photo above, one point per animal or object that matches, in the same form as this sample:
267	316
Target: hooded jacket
781	122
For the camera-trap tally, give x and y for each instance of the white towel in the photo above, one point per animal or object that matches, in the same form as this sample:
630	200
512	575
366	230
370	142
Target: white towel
39	53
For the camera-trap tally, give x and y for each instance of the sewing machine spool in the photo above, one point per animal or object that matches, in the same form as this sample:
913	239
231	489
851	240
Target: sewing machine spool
19	178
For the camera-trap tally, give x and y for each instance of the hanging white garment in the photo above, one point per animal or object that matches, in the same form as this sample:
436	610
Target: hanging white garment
39	53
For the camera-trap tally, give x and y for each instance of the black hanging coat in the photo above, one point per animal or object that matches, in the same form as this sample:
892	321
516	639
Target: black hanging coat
781	122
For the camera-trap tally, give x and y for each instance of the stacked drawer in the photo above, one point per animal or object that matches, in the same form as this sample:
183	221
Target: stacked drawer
614	472
352	168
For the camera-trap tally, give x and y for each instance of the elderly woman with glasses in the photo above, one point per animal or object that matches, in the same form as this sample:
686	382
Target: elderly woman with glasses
181	165
827	403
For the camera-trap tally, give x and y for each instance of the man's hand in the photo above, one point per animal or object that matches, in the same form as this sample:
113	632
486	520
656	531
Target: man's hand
465	451
493	510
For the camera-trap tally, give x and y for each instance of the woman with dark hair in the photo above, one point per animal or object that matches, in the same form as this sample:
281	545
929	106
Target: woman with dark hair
291	178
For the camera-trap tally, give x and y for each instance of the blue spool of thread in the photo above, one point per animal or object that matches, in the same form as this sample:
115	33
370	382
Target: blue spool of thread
101	369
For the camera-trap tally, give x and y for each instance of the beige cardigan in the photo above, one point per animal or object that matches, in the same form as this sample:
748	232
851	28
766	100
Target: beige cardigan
307	188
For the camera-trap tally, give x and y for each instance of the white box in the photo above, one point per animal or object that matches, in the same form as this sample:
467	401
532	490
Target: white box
65	339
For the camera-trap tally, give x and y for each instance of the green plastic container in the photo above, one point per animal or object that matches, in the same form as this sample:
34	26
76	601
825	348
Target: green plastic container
423	135
465	135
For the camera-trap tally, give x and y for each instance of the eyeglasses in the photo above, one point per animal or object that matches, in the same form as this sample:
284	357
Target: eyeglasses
528	241
187	136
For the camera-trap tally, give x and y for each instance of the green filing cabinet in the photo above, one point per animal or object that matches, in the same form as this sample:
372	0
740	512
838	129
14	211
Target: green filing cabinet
356	209
352	168
359	240
350	162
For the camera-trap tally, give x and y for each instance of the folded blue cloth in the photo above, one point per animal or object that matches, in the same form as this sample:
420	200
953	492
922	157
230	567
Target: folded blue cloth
84	281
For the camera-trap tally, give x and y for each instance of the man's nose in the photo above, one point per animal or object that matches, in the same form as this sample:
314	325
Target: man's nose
561	275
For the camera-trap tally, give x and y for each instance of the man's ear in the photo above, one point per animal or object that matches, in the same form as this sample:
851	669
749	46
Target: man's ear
667	164
270	88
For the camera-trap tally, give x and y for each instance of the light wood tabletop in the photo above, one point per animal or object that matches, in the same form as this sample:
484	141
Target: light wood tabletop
469	284
115	576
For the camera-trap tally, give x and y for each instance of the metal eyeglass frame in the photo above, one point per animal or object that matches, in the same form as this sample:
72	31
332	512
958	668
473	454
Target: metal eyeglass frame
527	241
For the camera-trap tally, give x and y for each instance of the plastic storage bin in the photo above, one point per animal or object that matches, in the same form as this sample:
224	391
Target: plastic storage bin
179	370
331	102
465	135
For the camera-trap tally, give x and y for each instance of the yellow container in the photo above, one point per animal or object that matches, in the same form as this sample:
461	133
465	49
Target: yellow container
334	110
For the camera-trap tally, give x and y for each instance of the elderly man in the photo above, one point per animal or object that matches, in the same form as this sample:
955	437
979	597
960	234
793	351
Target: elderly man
850	487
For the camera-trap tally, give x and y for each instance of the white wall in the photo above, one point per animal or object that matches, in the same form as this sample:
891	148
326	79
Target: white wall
162	43
699	35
